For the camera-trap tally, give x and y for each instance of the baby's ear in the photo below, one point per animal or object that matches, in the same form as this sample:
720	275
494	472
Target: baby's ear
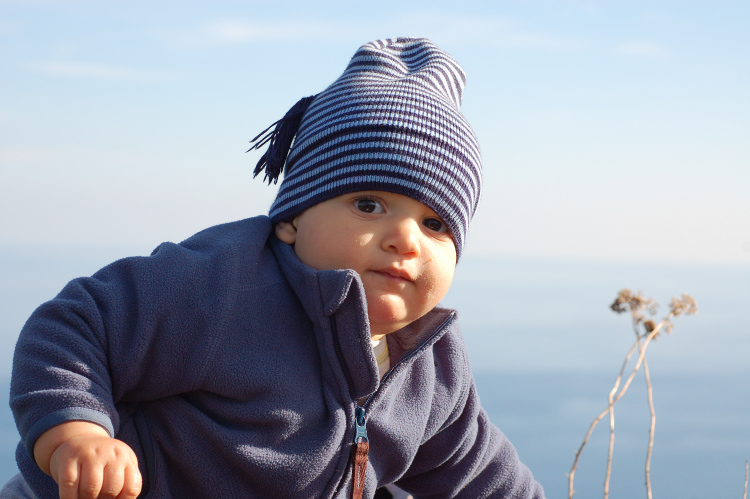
287	232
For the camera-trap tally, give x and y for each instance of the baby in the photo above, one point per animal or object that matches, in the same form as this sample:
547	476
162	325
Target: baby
299	354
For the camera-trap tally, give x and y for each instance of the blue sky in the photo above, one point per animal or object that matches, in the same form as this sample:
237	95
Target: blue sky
610	130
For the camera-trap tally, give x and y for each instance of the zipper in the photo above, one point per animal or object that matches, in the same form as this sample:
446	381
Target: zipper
340	355
361	448
406	358
360	425
361	444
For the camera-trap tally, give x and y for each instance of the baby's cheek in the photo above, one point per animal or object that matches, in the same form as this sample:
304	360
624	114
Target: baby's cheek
435	284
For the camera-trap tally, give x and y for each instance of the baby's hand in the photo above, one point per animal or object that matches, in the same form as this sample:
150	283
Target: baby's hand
91	464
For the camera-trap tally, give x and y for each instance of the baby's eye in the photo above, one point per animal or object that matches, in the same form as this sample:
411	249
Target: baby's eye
435	224
368	205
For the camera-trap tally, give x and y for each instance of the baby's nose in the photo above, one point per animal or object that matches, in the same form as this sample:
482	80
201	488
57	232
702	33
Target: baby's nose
404	237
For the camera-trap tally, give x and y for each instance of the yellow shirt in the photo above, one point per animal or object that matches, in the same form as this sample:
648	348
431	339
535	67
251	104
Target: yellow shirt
380	349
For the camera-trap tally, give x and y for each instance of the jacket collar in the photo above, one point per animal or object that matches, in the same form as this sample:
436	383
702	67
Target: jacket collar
338	297
335	302
321	291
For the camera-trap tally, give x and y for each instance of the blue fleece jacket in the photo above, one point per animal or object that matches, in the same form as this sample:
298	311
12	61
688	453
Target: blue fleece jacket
233	370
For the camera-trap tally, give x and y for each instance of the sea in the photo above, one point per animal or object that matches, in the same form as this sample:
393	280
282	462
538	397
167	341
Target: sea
545	349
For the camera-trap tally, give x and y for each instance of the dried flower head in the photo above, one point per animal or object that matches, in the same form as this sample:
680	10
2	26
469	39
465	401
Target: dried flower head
639	306
667	327
649	326
620	304
684	305
635	303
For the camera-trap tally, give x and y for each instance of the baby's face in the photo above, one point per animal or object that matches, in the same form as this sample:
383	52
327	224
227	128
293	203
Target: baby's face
400	248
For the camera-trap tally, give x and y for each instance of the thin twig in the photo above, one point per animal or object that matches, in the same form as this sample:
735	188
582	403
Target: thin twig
745	496
596	421
652	411
611	410
622	391
638	306
638	363
651	429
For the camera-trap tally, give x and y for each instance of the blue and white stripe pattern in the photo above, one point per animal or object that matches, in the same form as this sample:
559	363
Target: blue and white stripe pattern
391	122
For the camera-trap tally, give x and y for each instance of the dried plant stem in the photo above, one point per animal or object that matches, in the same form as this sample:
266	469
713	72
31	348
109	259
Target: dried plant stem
652	411
651	429
638	362
745	496
642	344
610	451
597	419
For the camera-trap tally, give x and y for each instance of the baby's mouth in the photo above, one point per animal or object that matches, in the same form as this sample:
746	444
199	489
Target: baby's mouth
395	274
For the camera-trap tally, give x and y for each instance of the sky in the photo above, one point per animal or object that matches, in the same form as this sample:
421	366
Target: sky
610	130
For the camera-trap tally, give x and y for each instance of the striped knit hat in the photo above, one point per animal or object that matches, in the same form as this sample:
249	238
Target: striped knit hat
391	122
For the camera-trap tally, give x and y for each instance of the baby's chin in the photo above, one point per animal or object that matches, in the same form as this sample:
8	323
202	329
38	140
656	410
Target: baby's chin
387	314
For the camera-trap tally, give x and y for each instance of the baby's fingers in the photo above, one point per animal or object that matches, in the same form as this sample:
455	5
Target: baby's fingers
120	482
67	475
89	467
132	483
78	476
121	477
90	482
118	479
113	478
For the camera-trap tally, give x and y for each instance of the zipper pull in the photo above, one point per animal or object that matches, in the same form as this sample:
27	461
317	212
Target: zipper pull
361	448
360	423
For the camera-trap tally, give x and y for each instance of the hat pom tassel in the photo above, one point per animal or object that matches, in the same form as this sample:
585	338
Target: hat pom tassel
279	141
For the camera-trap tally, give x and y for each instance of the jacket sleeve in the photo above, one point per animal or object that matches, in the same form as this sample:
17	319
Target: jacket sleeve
139	329
468	456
